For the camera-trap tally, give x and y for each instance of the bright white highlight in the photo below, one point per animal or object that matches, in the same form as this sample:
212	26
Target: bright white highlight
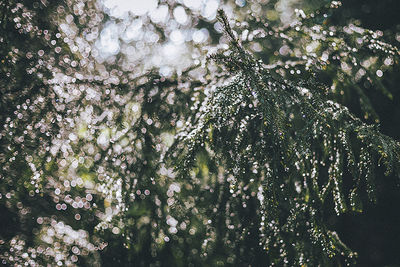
160	14
108	43
210	9
180	15
200	36
119	8
177	37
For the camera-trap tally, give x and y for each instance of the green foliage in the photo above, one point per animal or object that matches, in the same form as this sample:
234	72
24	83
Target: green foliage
291	142
241	159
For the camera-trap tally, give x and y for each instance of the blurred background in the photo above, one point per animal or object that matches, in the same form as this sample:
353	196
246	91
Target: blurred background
84	126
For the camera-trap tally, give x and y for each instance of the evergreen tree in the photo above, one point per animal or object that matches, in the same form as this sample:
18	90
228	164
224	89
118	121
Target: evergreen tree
256	156
285	146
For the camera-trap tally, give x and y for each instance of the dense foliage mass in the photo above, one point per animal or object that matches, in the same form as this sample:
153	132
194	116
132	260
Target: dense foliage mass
267	145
